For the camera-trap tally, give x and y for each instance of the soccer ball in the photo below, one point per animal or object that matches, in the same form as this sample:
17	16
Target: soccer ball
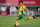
17	24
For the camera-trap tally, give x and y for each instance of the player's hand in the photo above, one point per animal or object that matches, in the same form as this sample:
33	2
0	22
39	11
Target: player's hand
31	12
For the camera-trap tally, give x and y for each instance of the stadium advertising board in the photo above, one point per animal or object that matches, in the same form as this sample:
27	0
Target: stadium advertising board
31	2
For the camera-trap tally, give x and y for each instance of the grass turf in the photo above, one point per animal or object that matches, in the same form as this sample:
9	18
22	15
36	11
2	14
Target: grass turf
9	21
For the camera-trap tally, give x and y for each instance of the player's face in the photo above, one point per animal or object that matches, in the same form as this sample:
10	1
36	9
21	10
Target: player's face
21	3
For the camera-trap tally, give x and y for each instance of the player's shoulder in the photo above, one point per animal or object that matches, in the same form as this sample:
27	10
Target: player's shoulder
24	6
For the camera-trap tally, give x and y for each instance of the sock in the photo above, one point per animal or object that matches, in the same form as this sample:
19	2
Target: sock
30	17
16	21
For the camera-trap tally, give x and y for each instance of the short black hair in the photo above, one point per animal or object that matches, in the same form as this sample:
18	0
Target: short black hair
21	1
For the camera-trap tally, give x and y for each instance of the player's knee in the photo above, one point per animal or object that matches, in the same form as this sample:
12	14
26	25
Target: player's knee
25	18
17	18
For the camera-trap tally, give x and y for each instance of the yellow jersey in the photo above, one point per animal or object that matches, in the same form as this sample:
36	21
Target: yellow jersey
22	8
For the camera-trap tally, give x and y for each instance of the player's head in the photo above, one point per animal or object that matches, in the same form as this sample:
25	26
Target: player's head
21	2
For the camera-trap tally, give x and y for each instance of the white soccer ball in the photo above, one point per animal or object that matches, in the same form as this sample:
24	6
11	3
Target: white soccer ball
17	24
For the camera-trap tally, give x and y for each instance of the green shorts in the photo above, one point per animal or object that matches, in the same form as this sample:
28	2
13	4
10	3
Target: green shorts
21	16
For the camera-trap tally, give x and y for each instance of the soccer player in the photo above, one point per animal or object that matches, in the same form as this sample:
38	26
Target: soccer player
21	12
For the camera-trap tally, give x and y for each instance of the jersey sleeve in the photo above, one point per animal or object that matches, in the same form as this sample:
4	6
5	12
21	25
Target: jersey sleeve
24	7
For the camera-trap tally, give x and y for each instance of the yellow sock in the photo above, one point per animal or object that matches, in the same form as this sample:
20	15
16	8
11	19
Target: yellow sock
16	21
30	17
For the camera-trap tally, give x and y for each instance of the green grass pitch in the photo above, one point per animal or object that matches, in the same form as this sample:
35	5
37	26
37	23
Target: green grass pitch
9	21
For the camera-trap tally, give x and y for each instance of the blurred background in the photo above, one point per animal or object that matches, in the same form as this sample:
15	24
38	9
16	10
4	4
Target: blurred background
8	7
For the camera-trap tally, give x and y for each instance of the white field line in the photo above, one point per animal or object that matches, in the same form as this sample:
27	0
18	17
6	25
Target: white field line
20	23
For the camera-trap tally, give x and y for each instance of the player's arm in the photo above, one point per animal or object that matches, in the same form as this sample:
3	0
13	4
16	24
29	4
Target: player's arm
28	10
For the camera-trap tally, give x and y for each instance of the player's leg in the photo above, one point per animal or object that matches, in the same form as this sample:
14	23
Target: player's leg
32	17
24	16
17	20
